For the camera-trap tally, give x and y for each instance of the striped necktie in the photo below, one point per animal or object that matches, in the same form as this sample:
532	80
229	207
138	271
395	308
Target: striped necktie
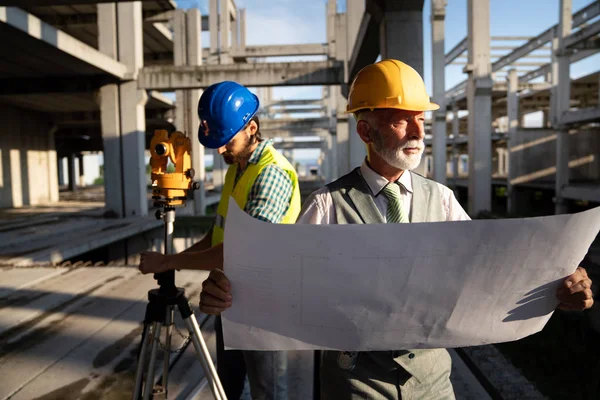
395	210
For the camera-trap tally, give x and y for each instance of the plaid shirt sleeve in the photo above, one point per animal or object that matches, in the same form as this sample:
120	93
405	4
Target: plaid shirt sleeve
270	195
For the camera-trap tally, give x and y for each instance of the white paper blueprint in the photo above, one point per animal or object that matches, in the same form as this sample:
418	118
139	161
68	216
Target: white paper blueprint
396	286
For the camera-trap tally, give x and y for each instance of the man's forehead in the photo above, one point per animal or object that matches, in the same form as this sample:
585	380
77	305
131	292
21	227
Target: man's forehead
393	113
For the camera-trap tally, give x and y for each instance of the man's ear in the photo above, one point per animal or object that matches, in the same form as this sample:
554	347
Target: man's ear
252	128
364	131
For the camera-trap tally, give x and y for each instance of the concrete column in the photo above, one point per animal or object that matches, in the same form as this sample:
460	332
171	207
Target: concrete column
358	150
81	177
224	31
71	168
132	108
61	171
213	25
479	100
513	123
562	83
235	33
331	156
242	17
180	59
331	31
455	155
194	57
438	14
53	192
109	113
402	20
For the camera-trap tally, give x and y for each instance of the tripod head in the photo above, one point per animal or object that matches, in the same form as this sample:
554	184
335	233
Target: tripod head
170	189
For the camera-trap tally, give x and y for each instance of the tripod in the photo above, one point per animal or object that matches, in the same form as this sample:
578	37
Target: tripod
160	312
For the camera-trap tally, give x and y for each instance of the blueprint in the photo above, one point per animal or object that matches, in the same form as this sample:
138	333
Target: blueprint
396	286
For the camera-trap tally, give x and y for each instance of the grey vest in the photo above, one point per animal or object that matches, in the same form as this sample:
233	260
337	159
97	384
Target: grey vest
353	203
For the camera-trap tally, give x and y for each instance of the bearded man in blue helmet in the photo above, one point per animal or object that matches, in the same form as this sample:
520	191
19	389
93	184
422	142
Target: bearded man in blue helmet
265	185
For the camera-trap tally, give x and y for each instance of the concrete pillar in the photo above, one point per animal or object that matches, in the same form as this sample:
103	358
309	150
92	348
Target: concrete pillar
512	106
358	149
242	17
187	44
133	102
71	168
235	28
61	171
179	59
479	100
331	31
401	20
81	177
455	133
194	57
122	111
213	26
562	83
109	113
52	168
438	14
224	31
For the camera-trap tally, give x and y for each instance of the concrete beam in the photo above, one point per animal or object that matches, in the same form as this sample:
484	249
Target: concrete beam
291	133
459	49
588	193
310	49
582	35
36	28
578	19
285	110
71	84
295	102
254	75
546	69
304	124
581	116
525	49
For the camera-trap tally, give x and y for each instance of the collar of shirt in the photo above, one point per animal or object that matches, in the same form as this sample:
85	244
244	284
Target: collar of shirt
259	150
256	154
377	182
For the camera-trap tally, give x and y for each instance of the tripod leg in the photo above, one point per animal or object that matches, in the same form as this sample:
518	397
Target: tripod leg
167	358
155	337
139	374
205	359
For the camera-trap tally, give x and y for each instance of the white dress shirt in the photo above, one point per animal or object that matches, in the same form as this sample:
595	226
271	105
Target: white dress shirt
319	208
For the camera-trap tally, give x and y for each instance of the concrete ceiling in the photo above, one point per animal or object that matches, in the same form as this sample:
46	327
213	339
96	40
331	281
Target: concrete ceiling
80	21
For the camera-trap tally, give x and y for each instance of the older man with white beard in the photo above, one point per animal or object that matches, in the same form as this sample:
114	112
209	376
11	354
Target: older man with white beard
388	99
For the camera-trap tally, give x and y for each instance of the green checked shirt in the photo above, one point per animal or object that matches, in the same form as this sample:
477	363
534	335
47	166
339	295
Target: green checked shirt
271	193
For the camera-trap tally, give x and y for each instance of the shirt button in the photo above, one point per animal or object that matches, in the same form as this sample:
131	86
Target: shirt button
411	355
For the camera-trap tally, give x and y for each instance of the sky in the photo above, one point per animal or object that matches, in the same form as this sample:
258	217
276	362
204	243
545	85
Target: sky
295	22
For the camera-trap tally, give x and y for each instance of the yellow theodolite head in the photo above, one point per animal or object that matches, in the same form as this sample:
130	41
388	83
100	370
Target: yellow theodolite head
170	189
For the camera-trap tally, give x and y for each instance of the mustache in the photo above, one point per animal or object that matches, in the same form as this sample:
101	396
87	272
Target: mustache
413	144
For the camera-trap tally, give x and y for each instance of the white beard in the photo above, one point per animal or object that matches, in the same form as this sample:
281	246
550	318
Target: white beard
396	157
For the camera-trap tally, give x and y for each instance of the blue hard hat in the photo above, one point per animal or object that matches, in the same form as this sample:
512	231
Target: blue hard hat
224	109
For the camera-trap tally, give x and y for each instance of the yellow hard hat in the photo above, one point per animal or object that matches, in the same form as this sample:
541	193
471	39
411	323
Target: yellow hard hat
389	84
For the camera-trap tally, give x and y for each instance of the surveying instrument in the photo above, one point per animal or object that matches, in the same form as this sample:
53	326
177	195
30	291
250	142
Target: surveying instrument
169	191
